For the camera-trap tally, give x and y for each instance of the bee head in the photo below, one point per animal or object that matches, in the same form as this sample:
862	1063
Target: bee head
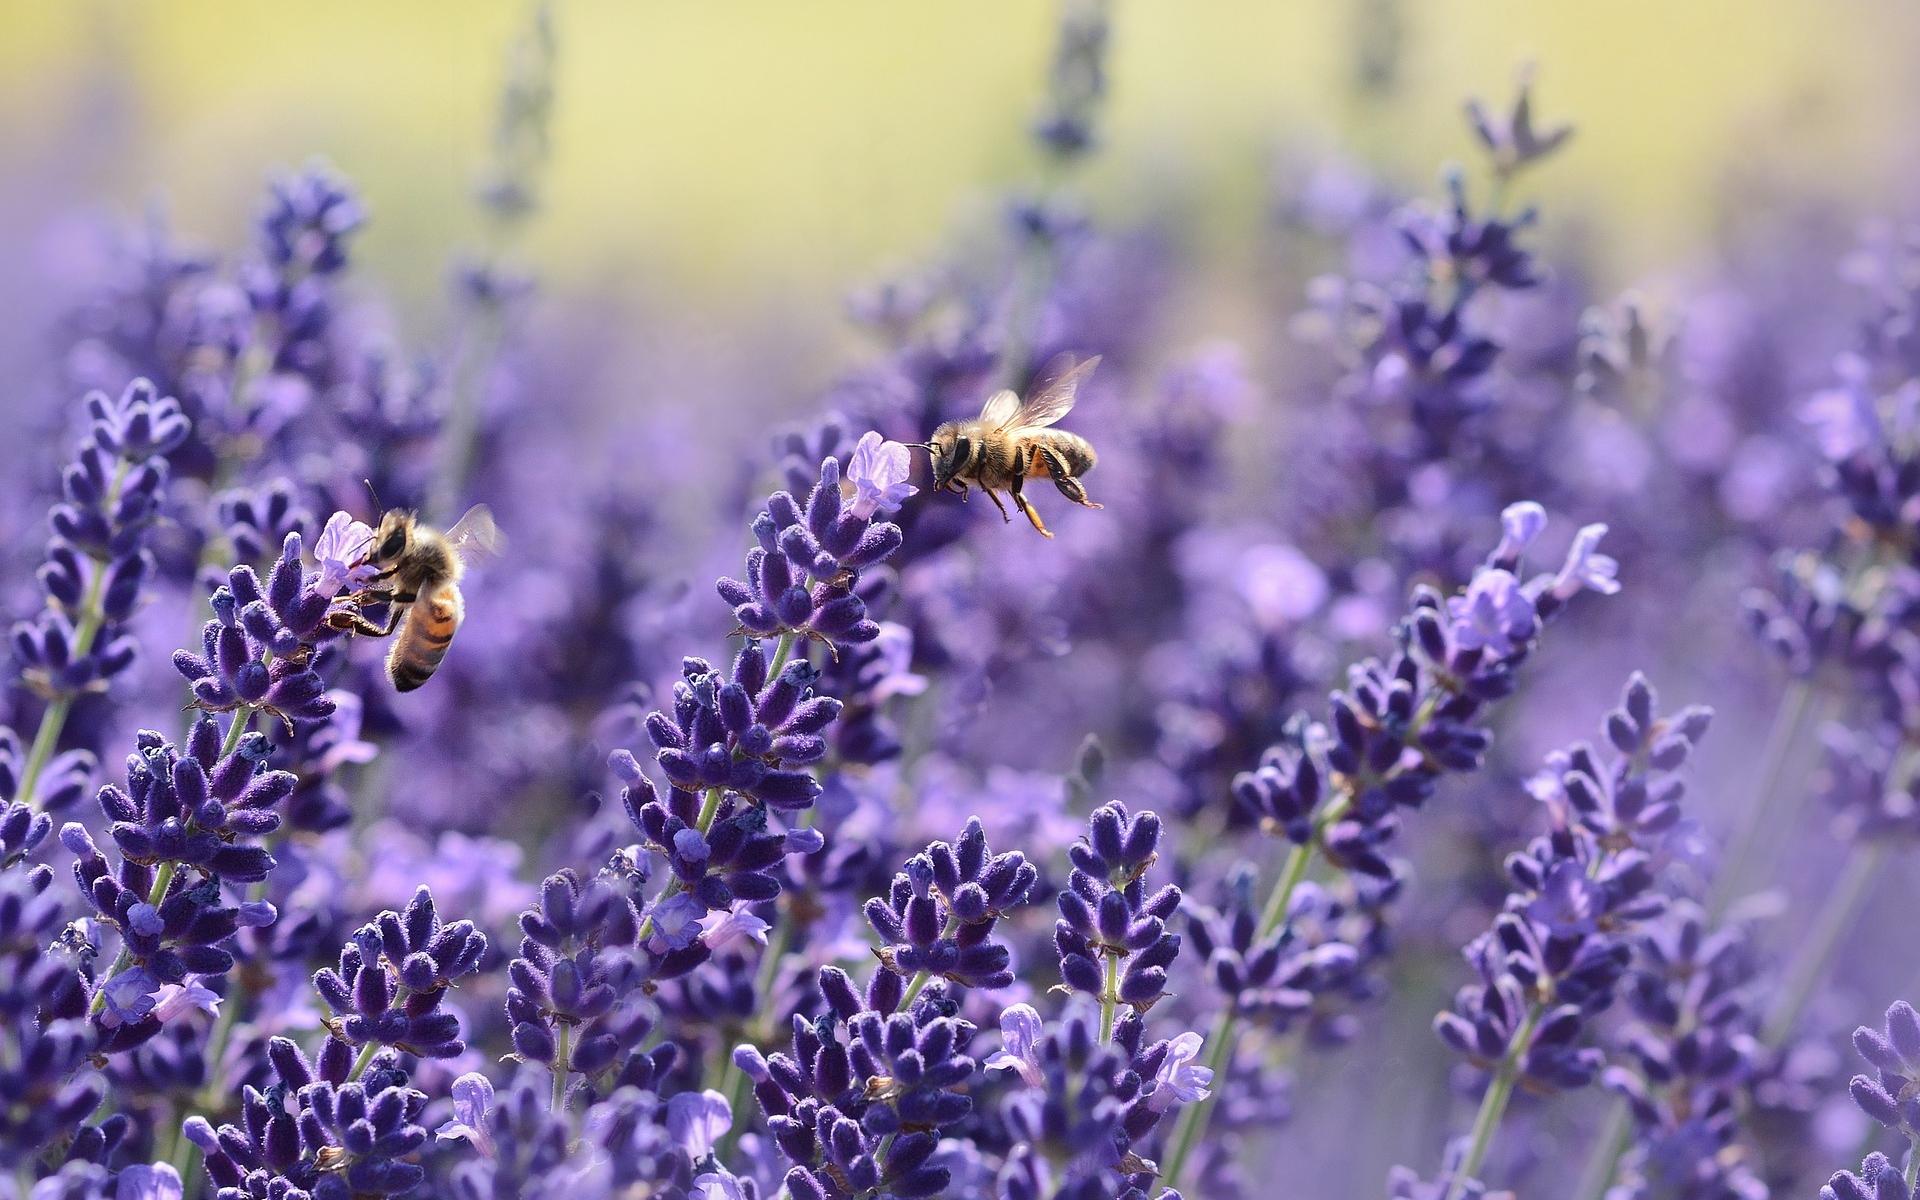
945	452
393	536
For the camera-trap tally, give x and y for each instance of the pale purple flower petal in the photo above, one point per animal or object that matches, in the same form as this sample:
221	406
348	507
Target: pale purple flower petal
876	479
1586	568
472	1099
1021	1032
339	551
175	1000
1179	1079
676	922
733	928
142	1181
696	1120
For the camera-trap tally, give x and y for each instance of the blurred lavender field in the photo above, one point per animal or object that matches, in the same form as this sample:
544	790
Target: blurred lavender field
1474	750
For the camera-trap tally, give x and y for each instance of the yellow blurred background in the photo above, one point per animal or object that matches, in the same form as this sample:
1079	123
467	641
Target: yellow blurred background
716	151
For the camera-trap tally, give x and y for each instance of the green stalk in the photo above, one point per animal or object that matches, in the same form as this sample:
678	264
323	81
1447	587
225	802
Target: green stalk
237	728
1822	942
1220	1039
560	1068
1608	1149
782	651
1493	1105
461	443
1109	997
1753	819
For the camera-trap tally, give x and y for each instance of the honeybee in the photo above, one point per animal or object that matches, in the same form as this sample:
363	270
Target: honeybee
418	578
1010	443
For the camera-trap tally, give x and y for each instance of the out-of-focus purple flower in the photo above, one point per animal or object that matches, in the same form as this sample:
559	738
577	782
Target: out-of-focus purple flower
1586	569
876	478
1281	585
1495	613
1510	137
308	219
1520	525
1845	421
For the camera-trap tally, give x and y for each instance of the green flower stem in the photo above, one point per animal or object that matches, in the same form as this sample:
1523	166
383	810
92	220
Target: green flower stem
1493	1105
1109	997
237	729
1755	818
782	651
460	445
1608	1149
560	1068
1220	1038
1822	942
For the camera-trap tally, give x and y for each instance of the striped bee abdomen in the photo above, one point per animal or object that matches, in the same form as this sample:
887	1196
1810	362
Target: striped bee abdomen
1057	453
424	637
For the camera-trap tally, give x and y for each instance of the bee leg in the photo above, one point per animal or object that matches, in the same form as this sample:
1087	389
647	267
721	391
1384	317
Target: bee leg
1069	487
1026	506
995	497
353	622
958	487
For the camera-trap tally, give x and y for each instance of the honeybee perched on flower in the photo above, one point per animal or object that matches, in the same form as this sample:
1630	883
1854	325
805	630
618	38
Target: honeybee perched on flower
1010	442
415	570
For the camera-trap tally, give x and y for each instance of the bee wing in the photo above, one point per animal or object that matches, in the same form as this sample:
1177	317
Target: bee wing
1000	409
474	537
1056	399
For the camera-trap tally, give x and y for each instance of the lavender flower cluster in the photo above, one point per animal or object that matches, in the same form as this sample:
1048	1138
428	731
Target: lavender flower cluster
1218	845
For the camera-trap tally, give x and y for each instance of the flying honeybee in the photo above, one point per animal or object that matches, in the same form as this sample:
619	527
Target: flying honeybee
1010	442
419	570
